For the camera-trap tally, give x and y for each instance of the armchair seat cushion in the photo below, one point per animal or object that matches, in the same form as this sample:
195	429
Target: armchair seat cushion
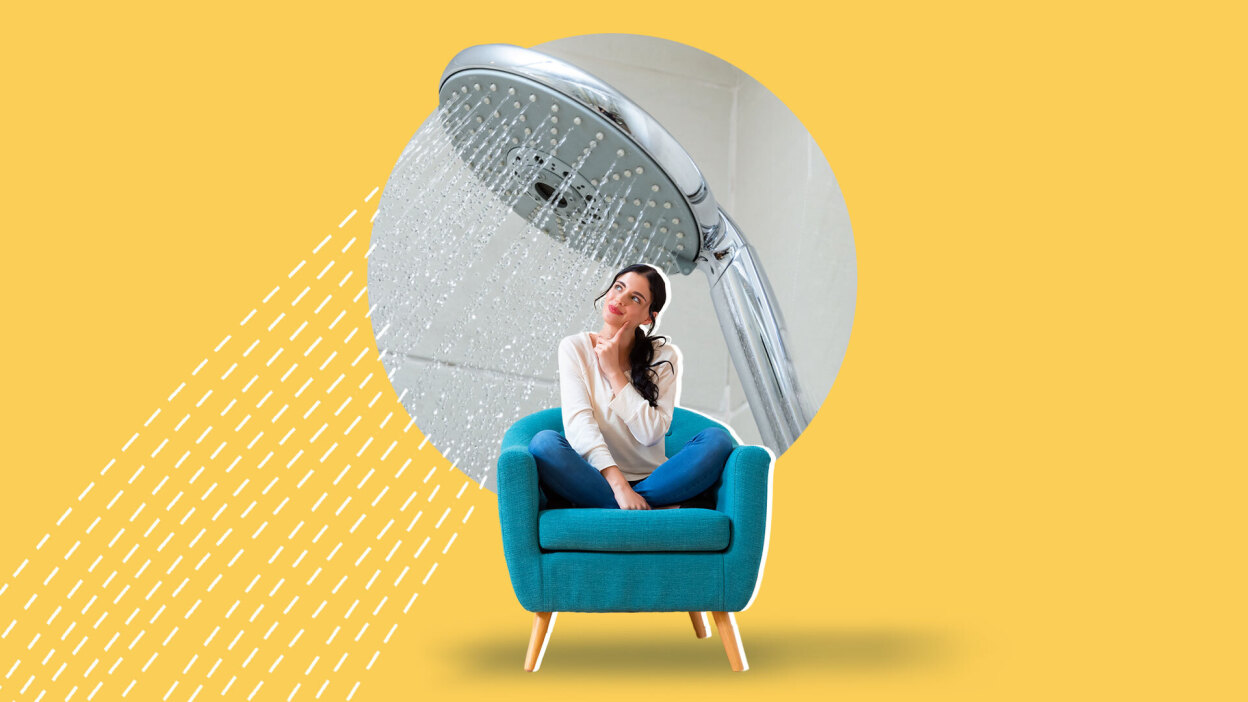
617	530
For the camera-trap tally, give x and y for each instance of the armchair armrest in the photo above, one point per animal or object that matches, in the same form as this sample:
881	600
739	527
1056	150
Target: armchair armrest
744	494
517	516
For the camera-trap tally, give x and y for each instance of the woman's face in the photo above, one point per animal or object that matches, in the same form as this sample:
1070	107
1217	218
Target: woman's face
628	301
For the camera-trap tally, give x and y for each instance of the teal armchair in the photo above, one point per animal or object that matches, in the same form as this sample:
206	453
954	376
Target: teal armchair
609	560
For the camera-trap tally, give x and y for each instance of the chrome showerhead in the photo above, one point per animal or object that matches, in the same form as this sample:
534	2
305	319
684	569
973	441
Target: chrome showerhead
597	156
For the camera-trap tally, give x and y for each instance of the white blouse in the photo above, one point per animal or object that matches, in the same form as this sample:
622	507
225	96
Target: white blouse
606	429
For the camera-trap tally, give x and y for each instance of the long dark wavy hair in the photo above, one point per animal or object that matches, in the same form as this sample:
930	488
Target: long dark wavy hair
641	369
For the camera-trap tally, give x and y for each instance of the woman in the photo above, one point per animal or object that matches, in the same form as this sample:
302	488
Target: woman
618	389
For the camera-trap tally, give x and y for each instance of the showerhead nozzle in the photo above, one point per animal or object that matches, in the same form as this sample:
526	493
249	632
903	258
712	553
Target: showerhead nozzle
596	170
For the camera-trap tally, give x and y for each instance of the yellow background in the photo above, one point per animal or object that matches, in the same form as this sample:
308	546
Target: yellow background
1027	481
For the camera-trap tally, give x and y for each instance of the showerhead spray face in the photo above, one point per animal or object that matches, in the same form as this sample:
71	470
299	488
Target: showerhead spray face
590	168
593	169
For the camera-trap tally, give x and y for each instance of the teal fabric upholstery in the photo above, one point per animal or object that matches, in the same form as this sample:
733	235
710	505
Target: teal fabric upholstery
595	560
618	530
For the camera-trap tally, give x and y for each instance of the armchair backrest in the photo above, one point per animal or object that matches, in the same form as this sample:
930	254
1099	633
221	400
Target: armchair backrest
685	425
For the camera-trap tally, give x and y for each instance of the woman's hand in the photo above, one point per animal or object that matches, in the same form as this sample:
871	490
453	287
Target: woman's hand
627	498
608	351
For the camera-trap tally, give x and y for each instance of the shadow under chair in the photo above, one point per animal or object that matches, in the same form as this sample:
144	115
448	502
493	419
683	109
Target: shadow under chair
693	560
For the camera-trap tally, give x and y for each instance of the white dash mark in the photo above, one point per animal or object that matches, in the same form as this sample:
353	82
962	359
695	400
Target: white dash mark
296	270
227	336
323	242
131	441
331	450
300	296
247	318
371	194
271	294
429	574
348	219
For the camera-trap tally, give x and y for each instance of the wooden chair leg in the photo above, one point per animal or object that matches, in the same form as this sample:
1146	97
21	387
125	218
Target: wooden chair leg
699	624
727	626
538	639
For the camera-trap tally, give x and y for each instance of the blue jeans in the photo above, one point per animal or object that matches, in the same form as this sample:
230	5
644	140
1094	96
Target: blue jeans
689	474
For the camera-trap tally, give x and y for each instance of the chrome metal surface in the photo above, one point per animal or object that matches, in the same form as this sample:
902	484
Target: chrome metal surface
754	330
594	94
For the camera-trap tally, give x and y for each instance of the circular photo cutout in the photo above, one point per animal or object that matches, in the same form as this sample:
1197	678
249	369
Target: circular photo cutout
608	228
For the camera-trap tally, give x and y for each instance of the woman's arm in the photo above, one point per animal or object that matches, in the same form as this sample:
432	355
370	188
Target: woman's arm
579	426
581	429
650	424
